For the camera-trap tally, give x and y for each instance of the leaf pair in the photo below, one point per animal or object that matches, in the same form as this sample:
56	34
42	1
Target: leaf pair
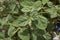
29	6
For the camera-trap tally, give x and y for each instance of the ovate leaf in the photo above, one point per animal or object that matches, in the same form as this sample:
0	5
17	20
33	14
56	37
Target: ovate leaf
37	5
13	8
50	4
23	20
47	36
42	22
5	20
52	11
53	15
26	3
31	6
23	34
11	31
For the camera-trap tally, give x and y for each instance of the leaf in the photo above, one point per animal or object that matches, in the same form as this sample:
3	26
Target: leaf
1	9
1	0
53	15
5	20
7	38
42	22
27	0
59	1
37	5
50	4
50	27
20	21
2	35
33	6
47	36
39	32
15	11
26	3
34	37
44	1
23	20
40	38
52	11
26	9
1	39
13	8
11	31
23	34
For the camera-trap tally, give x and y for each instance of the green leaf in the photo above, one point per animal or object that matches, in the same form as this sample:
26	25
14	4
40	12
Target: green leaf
1	0
5	20
42	22
26	9
50	4
2	35
1	39
1	9
23	20
30	8
47	36
50	27
44	1
37	5
53	15
7	38
13	8
59	1
38	32
34	37
26	3
23	34
11	31
52	11
40	38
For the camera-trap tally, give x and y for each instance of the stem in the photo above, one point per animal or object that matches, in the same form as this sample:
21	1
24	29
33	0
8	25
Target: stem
30	32
15	34
16	30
